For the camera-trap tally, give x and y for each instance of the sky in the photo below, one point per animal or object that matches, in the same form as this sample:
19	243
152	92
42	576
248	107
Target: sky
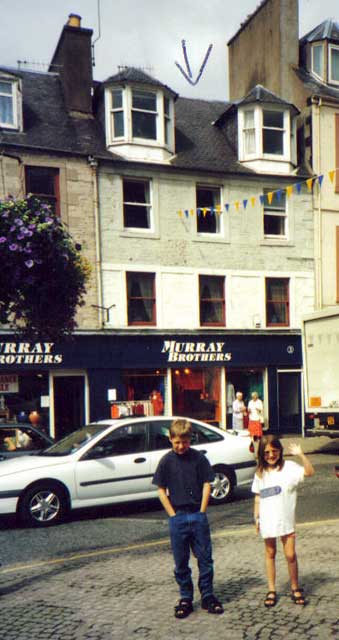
143	33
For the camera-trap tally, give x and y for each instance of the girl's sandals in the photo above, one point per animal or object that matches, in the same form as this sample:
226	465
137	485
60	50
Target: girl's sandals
297	596
212	605
271	599
183	608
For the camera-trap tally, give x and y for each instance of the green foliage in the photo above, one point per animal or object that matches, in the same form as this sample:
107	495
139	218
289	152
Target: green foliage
42	275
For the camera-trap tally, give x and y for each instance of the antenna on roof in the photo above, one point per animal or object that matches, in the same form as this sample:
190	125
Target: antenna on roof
149	69
99	34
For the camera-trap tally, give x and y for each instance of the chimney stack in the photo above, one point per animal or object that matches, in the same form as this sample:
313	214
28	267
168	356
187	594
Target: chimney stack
72	60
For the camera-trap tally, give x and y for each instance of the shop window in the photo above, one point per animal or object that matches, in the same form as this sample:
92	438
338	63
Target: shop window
141	298
146	386
43	183
212	300
208	209
20	395
277	302
137	204
197	394
275	215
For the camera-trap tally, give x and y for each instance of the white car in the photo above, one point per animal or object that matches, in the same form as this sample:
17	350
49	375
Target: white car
114	461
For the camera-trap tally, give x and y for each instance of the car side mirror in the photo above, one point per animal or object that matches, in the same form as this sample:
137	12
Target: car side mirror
96	453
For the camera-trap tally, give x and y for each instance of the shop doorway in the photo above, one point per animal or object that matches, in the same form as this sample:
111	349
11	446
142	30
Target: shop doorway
69	404
289	402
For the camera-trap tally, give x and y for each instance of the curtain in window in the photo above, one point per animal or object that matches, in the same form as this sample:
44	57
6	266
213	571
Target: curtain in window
140	298
249	132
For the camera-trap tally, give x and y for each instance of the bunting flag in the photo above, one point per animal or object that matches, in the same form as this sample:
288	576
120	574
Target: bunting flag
263	198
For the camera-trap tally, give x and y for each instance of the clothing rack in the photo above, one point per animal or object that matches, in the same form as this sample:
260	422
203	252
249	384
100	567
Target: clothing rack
136	408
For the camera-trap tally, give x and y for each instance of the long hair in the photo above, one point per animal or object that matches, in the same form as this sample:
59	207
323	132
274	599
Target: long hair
274	442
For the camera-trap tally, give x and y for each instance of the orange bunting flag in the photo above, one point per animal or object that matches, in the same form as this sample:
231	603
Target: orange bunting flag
331	175
289	190
253	201
309	183
270	197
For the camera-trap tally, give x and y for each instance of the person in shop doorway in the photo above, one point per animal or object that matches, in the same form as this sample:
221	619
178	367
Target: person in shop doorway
239	412
183	478
255	417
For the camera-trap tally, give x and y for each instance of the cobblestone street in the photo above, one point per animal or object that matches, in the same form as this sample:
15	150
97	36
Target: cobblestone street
129	593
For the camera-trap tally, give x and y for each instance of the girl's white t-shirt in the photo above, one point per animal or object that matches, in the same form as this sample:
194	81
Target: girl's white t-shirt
278	499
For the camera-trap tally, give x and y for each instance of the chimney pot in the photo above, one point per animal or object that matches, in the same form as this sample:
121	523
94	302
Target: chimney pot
74	20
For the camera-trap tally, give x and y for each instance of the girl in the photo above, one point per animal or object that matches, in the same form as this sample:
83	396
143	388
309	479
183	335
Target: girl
275	484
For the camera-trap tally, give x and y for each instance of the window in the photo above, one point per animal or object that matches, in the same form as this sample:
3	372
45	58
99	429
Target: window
43	182
159	434
318	60
7	104
212	300
167	120
117	111
277	302
275	219
137	204
334	63
273	132
141	298
129	439
249	132
144	115
208	219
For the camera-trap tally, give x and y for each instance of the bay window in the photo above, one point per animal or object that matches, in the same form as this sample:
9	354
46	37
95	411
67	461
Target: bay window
334	64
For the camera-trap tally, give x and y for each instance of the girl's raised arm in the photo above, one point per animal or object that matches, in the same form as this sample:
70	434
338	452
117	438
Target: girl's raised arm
295	450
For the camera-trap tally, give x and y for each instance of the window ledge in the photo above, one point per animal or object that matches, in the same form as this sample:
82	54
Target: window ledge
211	237
143	233
274	242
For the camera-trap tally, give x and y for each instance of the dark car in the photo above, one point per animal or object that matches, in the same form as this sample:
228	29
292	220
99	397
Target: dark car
17	439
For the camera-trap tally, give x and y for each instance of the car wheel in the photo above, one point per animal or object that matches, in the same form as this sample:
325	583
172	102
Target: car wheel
222	486
43	504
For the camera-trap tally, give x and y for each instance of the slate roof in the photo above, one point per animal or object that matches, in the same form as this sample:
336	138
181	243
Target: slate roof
327	30
201	144
261	94
316	87
132	74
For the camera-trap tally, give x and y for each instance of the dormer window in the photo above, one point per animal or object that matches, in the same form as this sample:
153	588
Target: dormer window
318	60
265	135
8	104
333	64
140	122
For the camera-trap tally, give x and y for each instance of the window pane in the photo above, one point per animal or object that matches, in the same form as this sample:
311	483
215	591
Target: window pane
159	432
277	301
144	125
212	300
166	106
136	216
117	99
127	439
273	142
40	180
197	393
249	137
136	191
6	110
208	221
274	119
249	119
141	301
335	64
317	53
144	100
118	119
274	225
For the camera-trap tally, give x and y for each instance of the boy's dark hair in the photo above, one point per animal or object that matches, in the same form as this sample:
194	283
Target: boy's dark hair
180	428
274	442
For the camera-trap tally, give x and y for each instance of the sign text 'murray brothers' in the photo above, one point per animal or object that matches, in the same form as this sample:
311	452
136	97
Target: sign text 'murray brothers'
28	353
195	351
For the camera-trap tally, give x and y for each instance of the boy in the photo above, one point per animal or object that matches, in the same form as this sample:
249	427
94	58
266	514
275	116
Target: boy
183	478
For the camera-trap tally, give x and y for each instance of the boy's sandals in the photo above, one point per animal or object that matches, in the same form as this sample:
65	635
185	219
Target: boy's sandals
271	599
297	596
212	605
183	608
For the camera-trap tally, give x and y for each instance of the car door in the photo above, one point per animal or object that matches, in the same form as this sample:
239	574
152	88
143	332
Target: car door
117	466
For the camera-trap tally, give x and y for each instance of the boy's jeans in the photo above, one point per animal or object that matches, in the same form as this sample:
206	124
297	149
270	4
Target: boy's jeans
191	531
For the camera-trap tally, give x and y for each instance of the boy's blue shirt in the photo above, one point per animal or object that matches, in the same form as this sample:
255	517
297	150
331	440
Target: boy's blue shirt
183	476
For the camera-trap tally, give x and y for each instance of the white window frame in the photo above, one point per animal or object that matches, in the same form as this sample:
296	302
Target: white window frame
332	47
128	109
320	47
219	217
275	211
14	94
149	205
148	111
259	127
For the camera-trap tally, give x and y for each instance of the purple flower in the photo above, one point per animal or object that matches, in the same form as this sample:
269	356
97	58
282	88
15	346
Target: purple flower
18	222
29	233
29	263
13	247
49	220
5	214
27	250
21	236
32	226
13	228
2	239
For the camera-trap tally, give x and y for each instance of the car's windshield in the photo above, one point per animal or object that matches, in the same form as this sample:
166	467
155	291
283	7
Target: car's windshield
74	440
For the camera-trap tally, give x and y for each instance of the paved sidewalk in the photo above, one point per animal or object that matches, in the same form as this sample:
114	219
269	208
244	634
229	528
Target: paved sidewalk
129	594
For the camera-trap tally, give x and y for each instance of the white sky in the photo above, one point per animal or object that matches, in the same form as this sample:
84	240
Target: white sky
142	33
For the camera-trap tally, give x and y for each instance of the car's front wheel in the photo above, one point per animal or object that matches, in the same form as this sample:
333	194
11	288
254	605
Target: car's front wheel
222	486
43	504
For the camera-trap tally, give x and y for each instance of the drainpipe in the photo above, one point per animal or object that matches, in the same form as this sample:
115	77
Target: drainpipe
317	102
94	166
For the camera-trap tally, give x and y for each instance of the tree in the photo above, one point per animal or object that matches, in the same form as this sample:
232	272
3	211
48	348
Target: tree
42	274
